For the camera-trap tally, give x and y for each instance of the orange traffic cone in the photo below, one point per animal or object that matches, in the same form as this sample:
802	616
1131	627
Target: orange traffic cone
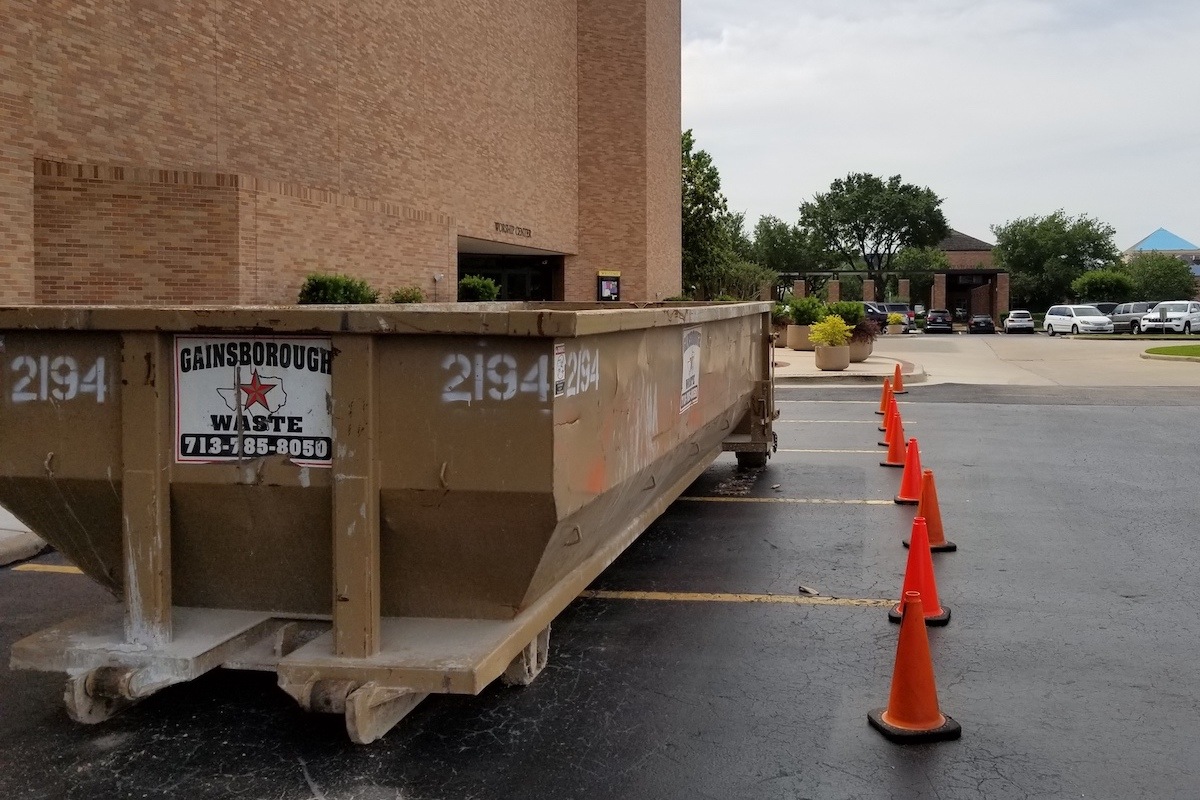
898	382
884	394
918	577
895	453
928	508
889	422
910	481
887	408
912	715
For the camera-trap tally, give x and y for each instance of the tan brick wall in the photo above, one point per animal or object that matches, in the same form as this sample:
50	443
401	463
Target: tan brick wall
118	235
629	160
16	156
663	219
462	115
970	259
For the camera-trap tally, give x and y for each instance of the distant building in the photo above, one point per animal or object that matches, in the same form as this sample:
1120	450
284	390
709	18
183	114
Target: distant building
973	283
1167	243
1163	241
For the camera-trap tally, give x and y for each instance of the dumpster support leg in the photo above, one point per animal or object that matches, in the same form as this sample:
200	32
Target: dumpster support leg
146	367
373	710
355	500
530	662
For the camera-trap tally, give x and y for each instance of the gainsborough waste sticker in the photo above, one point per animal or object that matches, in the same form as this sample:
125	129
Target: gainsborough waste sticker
238	398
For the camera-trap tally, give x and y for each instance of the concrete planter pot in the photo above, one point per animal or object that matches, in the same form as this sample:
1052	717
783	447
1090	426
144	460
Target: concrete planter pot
797	337
859	351
832	359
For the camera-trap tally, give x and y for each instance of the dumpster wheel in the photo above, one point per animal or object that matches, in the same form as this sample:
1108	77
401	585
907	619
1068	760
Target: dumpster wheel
99	694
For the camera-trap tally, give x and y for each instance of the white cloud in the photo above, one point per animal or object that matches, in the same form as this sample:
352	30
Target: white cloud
1005	109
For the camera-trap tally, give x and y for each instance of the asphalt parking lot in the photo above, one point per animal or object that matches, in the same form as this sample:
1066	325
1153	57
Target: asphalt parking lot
1071	659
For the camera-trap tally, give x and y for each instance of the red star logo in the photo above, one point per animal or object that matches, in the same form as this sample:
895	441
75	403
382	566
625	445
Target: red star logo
256	391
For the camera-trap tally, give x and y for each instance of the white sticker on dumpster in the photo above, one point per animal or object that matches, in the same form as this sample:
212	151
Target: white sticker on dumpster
246	397
689	393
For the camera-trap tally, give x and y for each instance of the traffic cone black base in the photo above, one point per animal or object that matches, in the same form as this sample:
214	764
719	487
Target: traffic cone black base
944	547
945	732
930	622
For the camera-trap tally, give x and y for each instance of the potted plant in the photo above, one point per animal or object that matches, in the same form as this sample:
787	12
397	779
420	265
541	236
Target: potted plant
781	318
831	343
895	324
805	312
862	340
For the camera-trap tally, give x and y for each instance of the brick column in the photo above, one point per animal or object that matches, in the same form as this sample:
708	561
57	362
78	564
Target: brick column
16	153
798	289
938	296
833	291
903	290
868	290
1000	303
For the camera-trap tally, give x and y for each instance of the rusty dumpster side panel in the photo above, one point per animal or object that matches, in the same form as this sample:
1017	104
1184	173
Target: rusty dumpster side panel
456	475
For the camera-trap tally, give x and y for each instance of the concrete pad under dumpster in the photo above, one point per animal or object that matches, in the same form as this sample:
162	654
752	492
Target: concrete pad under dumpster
374	502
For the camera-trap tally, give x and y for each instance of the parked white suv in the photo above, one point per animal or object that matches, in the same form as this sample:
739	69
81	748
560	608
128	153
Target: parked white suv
1179	316
1018	321
1076	319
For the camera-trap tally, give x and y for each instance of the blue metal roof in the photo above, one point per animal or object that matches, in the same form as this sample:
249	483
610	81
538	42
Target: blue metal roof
1163	239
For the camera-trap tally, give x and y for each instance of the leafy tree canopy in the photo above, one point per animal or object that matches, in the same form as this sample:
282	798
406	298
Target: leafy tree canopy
1100	285
1043	255
865	220
707	245
1158	276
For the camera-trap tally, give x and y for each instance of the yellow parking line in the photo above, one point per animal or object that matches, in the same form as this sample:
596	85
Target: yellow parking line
874	422
784	450
68	570
802	501
723	597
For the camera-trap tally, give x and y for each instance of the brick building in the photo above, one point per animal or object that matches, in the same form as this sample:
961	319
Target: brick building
972	283
218	152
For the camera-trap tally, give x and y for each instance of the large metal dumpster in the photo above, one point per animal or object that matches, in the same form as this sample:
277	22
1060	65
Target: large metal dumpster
374	502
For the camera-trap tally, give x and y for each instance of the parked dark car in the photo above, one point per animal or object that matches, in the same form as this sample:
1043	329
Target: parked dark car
938	320
875	313
1127	317
1106	308
981	323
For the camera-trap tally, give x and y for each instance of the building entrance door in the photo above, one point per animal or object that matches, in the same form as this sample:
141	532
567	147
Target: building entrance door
519	277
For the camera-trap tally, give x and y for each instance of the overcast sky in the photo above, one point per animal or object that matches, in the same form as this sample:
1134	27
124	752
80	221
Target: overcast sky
1004	108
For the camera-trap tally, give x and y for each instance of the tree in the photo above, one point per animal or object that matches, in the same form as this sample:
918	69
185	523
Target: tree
707	245
864	220
1158	276
1103	284
1043	255
919	265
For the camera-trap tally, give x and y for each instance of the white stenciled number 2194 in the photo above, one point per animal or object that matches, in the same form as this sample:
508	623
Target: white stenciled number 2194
56	378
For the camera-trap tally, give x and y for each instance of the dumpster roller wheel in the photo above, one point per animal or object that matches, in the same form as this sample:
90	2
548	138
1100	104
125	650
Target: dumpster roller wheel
101	693
530	662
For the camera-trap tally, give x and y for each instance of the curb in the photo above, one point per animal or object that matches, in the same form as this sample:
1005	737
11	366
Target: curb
913	373
1158	357
18	546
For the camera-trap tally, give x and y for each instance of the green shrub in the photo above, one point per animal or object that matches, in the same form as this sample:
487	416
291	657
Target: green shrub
831	332
408	294
321	289
895	319
781	314
807	310
473	288
851	311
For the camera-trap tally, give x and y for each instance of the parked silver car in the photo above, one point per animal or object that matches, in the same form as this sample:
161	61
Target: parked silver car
1127	317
